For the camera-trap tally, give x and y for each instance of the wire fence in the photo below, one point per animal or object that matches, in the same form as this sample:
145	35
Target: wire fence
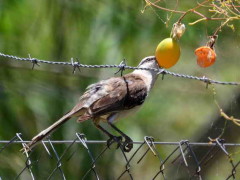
183	153
122	66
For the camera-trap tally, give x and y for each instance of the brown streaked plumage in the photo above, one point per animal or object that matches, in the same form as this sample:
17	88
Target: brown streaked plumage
109	100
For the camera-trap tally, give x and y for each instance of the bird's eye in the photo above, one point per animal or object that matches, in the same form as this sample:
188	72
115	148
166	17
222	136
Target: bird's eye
146	60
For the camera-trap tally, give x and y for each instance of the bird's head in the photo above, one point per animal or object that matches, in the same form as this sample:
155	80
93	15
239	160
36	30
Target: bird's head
150	76
148	62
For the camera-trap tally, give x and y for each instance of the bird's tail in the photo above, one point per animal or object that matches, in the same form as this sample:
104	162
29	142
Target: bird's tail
47	131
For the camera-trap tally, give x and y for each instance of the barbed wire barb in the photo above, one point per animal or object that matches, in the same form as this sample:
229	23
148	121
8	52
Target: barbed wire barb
122	66
34	61
75	65
206	80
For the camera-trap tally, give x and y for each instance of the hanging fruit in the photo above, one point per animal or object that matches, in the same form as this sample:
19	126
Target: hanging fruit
168	50
167	53
206	55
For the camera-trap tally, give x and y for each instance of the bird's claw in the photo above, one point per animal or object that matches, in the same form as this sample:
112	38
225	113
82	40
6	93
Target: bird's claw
127	144
112	139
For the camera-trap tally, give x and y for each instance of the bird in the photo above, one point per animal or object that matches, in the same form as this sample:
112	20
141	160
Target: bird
110	100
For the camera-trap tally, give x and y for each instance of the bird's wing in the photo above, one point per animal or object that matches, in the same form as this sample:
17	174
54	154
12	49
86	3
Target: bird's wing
123	93
93	93
111	95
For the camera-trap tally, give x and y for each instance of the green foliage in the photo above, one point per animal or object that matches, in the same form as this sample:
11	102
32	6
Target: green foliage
102	32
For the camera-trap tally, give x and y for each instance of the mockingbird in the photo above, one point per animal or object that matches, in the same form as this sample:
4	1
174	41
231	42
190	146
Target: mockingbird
110	100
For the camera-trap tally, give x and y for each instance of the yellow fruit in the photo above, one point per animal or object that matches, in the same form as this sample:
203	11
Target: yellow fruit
167	53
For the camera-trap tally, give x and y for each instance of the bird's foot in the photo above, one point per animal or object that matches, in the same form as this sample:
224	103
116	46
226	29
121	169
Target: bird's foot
113	139
127	144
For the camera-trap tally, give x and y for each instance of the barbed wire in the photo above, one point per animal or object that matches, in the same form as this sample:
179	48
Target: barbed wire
122	66
184	154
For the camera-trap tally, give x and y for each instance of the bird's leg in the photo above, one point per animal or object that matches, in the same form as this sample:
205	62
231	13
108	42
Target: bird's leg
128	143
112	138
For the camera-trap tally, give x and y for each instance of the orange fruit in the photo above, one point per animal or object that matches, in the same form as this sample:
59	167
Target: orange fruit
167	53
205	56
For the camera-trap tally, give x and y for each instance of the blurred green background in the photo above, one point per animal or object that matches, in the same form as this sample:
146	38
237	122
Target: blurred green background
106	32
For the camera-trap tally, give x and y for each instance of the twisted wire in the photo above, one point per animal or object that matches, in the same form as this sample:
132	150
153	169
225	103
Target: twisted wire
121	66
